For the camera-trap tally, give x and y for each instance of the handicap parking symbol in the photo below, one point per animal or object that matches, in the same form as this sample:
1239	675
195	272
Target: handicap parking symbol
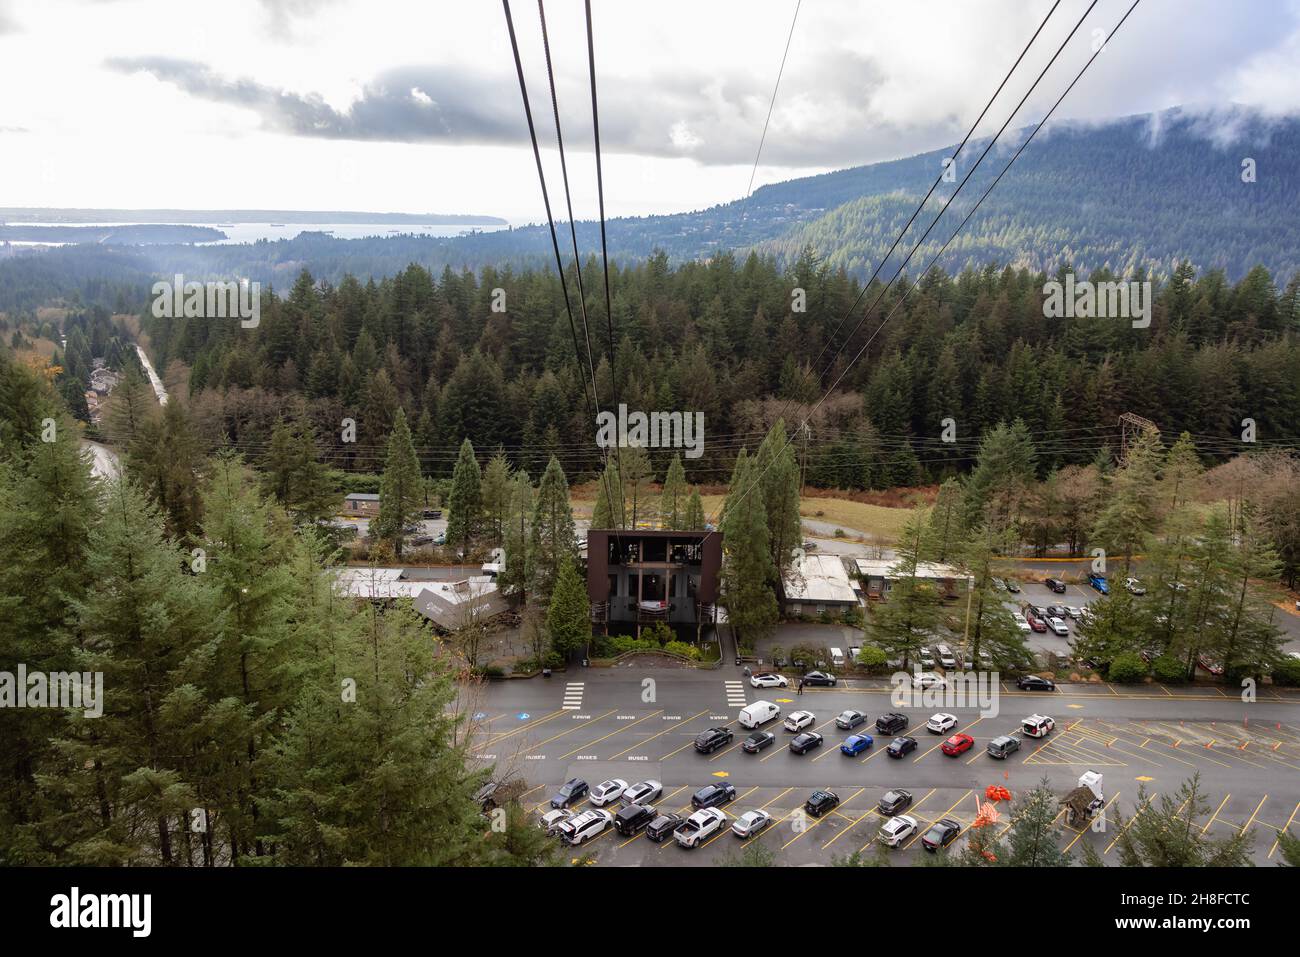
479	715
522	716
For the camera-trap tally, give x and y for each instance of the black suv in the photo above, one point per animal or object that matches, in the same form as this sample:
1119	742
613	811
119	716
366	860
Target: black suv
663	826
891	722
819	802
706	742
633	818
712	795
1055	584
571	792
894	801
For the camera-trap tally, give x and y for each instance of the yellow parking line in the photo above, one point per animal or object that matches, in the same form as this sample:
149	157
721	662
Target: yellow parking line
1085	827
689	744
661	733
940	744
818	821
667	797
1284	829
907	810
726	825
851	826
502	735
1251	819
610	735
577	727
919	831
775	821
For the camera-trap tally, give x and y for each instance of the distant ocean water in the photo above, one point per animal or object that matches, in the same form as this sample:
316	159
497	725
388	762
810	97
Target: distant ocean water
252	232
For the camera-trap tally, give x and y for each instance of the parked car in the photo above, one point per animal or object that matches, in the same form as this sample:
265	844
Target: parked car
896	830
926	659
998	583
1022	624
431	513
1099	584
711	795
1075	612
941	722
856	743
1036	623
1055	584
586	826
550	821
957	744
750	823
821	801
699	827
709	740
891	722
798	720
928	679
803	743
1037	726
1002	745
663	826
946	657
571	792
1035	683
1134	586
1013	586
1209	664
607	792
757	741
901	746
1059	627
633	818
643	792
769	680
943	832
1056	611
815	679
848	720
893	801
810	546
419	541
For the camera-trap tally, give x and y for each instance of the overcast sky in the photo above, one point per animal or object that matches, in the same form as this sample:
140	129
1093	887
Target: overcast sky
414	106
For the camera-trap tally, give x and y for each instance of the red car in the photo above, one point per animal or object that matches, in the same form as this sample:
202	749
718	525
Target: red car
957	744
1036	623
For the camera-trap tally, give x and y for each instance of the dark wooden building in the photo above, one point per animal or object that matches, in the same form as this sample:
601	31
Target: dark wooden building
637	577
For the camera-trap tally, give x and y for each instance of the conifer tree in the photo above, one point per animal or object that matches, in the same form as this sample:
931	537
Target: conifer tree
568	620
553	531
401	488
673	499
465	503
747	571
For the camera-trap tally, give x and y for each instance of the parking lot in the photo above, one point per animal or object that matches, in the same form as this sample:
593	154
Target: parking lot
599	724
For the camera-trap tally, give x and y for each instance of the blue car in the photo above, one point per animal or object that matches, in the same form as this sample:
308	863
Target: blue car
1099	583
856	744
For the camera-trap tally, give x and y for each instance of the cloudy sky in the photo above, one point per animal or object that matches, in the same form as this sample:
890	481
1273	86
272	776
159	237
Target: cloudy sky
414	106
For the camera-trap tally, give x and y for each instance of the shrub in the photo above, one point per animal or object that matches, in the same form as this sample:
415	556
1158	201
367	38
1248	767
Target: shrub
660	632
1287	672
872	658
1127	668
1169	670
683	649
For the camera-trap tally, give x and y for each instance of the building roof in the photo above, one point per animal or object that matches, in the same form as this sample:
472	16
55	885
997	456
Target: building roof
819	578
361	497
377	583
884	568
452	605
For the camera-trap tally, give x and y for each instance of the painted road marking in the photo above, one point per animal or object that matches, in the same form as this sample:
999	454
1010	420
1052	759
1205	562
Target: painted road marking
573	695
736	693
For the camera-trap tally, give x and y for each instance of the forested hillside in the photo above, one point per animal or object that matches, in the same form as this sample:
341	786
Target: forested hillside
721	338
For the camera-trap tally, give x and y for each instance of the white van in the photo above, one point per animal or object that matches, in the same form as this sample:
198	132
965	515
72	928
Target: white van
837	658
760	712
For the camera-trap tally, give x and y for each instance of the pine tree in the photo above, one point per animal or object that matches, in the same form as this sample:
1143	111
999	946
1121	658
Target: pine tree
552	533
1031	840
672	501
778	473
905	622
517	576
465	503
602	514
293	473
694	516
568	620
1129	514
401	488
496	493
1164	832
166	461
747	571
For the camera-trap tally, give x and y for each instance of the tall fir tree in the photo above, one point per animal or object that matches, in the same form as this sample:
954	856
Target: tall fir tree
465	502
401	488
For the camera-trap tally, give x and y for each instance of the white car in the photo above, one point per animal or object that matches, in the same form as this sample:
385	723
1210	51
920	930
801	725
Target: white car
750	823
1074	611
607	792
643	792
1037	726
1022	624
1059	628
550	821
941	722
585	826
897	830
1134	586
798	720
699	827
769	681
928	679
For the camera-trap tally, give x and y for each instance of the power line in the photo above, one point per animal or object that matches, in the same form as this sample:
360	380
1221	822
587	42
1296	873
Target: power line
749	190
